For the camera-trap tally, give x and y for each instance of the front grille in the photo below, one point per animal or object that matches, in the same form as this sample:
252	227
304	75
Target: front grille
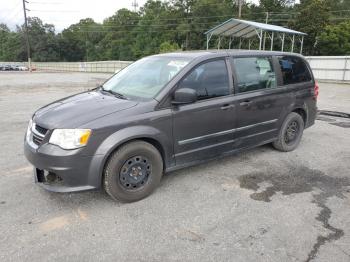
37	139
38	134
41	130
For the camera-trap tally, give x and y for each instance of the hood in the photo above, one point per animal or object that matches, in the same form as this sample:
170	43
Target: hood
74	111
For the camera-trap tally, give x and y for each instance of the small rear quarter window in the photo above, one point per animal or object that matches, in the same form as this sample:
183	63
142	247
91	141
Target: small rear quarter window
294	70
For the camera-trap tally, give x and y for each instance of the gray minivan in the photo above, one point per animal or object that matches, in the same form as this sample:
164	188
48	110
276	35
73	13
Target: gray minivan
166	112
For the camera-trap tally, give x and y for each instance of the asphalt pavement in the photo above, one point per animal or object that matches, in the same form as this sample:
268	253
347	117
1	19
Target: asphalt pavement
260	205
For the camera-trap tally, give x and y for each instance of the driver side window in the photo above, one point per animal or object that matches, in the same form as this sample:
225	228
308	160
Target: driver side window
208	80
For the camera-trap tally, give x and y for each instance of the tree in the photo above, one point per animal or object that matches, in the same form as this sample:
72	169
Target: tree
312	19
335	40
11	48
120	35
42	38
155	26
166	47
162	26
80	42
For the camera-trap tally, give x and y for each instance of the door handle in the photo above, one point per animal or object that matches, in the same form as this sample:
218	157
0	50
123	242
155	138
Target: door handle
245	103
227	106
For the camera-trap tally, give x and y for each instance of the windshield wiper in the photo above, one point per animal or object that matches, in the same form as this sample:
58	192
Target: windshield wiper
116	94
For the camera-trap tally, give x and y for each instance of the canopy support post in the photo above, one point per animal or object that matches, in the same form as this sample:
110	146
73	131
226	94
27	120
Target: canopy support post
293	43
230	42
249	43
208	39
260	37
272	42
219	43
240	42
301	45
283	41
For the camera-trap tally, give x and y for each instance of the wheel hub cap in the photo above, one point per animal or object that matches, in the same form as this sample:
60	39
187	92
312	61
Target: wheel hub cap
135	172
291	132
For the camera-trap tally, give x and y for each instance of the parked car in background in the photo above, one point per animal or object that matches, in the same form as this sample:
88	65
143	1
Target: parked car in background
170	111
22	68
7	67
15	67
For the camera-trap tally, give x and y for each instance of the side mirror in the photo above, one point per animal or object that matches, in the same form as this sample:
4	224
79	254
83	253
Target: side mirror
184	96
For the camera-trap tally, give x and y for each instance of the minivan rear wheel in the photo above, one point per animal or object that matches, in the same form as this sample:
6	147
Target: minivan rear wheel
290	133
133	171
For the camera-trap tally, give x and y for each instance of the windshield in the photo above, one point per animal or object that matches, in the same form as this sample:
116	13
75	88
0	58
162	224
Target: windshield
146	77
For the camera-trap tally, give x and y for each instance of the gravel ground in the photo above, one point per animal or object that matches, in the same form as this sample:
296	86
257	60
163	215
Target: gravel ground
260	205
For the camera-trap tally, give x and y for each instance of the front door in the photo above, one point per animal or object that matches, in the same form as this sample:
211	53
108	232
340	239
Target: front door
260	100
205	129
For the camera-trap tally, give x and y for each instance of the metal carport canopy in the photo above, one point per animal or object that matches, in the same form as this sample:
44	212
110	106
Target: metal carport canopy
247	29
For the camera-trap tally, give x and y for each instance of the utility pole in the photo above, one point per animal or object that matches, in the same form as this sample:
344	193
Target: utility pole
135	5
240	2
26	34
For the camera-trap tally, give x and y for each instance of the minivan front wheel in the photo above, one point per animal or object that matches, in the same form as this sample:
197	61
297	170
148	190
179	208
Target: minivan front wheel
133	171
290	133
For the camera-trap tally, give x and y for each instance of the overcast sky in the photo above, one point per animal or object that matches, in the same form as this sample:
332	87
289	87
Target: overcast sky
62	13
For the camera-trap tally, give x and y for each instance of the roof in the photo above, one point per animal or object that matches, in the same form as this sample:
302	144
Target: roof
234	52
247	29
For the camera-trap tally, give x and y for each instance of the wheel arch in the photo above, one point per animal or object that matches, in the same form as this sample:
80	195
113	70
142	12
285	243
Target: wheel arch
302	111
147	134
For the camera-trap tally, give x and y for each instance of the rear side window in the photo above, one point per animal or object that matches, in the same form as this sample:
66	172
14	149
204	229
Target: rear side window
208	80
254	73
294	70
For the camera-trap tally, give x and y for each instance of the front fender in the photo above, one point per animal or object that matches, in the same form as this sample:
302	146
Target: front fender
131	133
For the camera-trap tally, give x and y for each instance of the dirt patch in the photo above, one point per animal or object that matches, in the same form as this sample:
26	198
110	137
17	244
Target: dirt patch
300	180
335	118
341	124
54	223
333	113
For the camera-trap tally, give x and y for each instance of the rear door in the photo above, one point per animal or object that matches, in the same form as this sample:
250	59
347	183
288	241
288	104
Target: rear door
204	129
261	100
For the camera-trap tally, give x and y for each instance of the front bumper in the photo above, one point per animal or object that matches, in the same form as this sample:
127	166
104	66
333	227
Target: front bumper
73	171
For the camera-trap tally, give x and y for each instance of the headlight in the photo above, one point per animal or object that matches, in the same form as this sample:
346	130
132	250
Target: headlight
70	138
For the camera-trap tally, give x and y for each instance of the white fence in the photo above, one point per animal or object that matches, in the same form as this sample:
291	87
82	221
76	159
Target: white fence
95	67
329	68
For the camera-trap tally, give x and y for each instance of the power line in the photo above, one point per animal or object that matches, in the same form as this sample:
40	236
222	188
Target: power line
46	3
54	11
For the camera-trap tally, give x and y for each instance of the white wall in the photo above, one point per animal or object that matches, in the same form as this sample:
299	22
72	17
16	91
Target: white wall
333	68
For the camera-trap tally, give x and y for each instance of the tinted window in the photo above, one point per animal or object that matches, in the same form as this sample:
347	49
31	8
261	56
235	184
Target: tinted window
208	80
254	73
294	70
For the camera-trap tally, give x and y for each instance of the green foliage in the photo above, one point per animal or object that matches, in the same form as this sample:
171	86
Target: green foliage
164	26
335	40
312	19
166	47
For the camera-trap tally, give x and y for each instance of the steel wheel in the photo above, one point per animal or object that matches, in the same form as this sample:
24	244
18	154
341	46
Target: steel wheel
135	172
291	132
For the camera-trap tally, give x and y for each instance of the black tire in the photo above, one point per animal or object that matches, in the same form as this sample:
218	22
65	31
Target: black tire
116	181
286	140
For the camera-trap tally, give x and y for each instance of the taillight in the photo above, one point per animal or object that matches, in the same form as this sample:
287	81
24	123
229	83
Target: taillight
316	90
